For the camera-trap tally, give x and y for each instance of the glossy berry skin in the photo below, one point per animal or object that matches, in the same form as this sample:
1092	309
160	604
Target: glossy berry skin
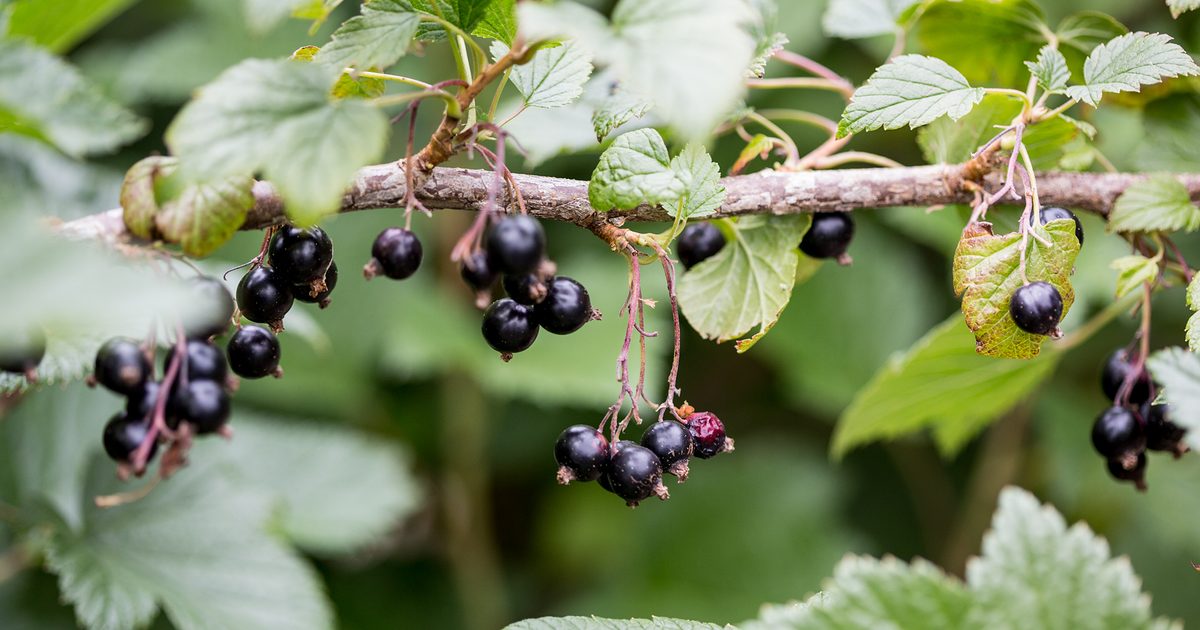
121	366
300	255
204	362
829	236
524	288
1161	433
253	352
123	435
1052	213
516	244
397	252
603	479
1117	432
698	242
509	327
217	311
1137	474
670	441
567	306
708	434
303	292
22	353
1116	370
141	403
583	451
1036	308
633	473
264	296
477	273
204	404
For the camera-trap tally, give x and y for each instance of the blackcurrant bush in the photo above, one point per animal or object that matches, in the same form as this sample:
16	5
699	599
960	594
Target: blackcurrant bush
582	454
396	254
516	244
124	434
477	273
300	255
122	366
217	311
829	236
1117	432
1116	370
1036	308
1054	213
204	404
509	327
140	404
567	306
671	442
264	296
708	434
524	288
1161	433
1135	474
304	293
204	362
21	353
698	242
253	352
635	473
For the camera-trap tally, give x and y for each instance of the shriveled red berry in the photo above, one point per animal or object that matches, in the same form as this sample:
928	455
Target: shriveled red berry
708	434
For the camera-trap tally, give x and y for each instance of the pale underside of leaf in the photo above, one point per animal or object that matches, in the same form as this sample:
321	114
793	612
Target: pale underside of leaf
1178	371
1179	7
554	77
1050	69
1130	61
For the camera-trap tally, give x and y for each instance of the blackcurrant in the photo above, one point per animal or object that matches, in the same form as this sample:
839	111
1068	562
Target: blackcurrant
21	353
264	296
204	362
509	327
1054	213
396	254
516	244
122	366
216	313
602	480
140	404
1117	432
567	306
253	352
582	454
829	236
635	473
1161	433
698	242
300	256
1136	474
304	293
124	434
1116	370
708	434
671	442
1036	308
204	404
477	273
524	288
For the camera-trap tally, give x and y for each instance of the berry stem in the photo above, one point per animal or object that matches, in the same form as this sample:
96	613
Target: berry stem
668	266
158	422
1138	365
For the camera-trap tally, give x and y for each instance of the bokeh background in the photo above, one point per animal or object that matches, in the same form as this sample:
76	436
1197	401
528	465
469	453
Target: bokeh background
495	539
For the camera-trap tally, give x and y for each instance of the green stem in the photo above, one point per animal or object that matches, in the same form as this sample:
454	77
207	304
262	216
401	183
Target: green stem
452	108
1010	92
858	157
789	144
496	97
451	27
382	76
795	115
1058	110
796	82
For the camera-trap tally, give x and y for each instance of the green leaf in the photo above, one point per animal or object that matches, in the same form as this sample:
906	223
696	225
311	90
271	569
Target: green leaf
1050	69
912	91
465	14
1034	572
987	273
943	384
856	19
204	216
278	117
700	176
61	24
499	22
43	97
1179	7
766	48
1080	33
748	283
1157	203
599	623
633	170
1178	371
987	40
554	77
1132	271
618	108
1130	61
376	39
951	142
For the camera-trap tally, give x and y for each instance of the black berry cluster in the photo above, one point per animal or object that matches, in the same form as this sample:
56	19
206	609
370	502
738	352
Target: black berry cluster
1133	424
299	266
634	471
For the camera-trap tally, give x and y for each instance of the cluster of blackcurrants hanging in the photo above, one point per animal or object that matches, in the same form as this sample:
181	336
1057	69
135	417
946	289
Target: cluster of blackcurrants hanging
634	471
829	236
1037	307
1134	424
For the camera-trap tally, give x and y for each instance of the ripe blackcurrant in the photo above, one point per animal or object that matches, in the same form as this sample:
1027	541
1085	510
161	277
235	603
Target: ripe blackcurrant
1036	308
396	254
21	353
1053	214
264	296
477	273
708	434
204	362
671	442
567	306
515	244
303	292
217	310
1117	432
140	404
509	327
299	255
1136	474
602	480
124	434
582	454
1116	370
635	473
698	242
829	236
1161	433
524	288
253	352
204	404
121	366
